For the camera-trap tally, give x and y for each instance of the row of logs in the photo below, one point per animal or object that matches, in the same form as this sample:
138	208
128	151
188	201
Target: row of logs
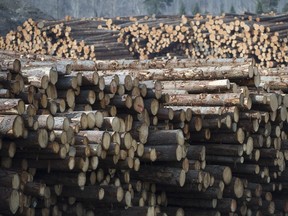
262	37
82	39
157	137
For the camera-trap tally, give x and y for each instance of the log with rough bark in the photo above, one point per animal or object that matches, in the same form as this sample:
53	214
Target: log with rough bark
225	144
11	126
161	175
9	200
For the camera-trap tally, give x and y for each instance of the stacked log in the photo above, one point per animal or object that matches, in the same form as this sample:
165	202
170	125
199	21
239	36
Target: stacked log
157	137
82	39
262	37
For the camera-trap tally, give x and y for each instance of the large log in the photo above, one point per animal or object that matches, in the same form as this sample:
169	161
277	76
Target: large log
88	192
98	137
9	179
11	126
9	200
225	99
165	137
161	175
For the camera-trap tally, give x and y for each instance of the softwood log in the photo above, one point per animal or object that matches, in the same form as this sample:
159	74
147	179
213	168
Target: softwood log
12	106
88	192
166	153
166	176
227	99
100	137
9	200
9	179
165	137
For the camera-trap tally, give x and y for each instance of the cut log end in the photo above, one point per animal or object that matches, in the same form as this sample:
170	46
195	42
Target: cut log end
106	140
180	137
101	193
50	122
81	179
273	101
198	123
240	135
14	201
18	127
238	188
43	138
227	175
179	153
182	178
120	194
138	104
233	205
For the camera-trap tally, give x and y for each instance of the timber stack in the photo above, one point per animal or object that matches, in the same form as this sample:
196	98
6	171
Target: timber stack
127	137
262	37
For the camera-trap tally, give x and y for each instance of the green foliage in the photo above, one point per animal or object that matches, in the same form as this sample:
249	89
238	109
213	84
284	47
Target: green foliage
196	9
222	7
182	10
259	8
273	5
154	6
232	9
285	8
265	6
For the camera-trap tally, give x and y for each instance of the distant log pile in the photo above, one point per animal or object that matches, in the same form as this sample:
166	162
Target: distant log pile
128	137
262	37
82	39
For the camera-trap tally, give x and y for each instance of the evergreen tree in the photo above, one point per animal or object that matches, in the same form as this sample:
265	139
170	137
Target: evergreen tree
285	8
265	6
196	9
222	7
232	9
182	10
259	8
154	6
273	5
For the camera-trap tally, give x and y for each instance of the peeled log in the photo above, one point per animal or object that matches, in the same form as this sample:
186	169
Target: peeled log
197	73
194	87
223	99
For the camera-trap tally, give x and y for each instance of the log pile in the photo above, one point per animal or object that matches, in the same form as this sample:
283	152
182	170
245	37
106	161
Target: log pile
127	137
69	39
262	37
